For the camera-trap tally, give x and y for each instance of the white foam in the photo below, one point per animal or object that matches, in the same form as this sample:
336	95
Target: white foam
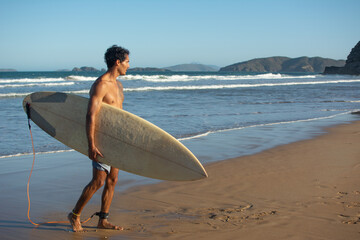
227	86
188	78
32	80
85	91
37	85
200	135
27	154
10	95
261	125
177	88
80	78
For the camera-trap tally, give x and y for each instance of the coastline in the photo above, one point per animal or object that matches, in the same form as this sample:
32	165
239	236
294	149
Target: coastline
308	189
304	190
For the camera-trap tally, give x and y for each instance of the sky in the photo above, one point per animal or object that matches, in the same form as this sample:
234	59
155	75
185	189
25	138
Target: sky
51	35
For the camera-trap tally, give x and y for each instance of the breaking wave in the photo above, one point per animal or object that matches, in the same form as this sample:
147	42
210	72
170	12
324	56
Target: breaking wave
189	78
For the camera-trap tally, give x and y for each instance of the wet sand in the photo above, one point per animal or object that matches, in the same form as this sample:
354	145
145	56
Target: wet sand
304	190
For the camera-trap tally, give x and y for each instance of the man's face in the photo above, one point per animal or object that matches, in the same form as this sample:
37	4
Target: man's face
124	65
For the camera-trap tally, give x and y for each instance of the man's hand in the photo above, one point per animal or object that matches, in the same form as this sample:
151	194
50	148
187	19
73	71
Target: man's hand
93	153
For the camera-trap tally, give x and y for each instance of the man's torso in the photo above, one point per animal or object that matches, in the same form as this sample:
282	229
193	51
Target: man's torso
114	91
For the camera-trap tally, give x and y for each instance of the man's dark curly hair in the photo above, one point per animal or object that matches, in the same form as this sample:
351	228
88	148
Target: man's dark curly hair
114	53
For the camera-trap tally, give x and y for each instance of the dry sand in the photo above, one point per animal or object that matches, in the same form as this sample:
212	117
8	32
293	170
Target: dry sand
304	190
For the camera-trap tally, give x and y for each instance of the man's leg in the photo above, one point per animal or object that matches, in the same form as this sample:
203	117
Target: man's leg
107	197
96	182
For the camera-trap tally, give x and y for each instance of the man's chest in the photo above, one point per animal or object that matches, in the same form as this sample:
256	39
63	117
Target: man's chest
114	97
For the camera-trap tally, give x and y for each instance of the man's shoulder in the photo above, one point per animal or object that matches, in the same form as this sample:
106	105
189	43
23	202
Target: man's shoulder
103	80
101	84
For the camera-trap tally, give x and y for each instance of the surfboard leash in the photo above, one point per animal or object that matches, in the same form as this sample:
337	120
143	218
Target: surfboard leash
32	167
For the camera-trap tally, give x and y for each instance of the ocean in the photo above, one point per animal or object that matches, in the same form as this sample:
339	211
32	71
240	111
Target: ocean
217	115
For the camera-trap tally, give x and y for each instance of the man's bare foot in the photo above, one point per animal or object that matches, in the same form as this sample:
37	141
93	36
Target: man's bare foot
104	224
75	222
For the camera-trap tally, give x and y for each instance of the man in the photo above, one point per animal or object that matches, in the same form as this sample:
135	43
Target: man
105	89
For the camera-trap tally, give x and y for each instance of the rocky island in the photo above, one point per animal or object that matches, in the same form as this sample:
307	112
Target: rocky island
7	70
148	69
352	65
86	69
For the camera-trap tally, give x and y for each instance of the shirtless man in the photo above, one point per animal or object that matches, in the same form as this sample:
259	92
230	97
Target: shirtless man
105	89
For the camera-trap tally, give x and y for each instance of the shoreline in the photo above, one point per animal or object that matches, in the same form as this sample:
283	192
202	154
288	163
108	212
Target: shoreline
295	191
309	189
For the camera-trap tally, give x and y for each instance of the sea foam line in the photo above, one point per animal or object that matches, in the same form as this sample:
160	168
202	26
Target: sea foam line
187	78
32	80
27	154
227	86
15	95
195	87
37	85
80	78
261	125
200	135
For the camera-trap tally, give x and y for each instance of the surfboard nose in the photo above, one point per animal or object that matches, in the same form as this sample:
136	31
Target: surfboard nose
205	174
194	169
202	172
197	166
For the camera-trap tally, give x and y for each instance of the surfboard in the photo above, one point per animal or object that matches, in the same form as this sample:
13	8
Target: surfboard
126	141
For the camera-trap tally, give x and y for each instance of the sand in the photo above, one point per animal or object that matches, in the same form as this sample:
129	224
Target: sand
304	190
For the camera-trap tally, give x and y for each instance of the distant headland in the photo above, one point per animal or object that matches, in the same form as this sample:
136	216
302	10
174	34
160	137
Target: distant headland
258	65
7	70
284	65
193	67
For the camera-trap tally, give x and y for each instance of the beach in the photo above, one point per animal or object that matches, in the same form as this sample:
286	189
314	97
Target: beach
285	177
308	189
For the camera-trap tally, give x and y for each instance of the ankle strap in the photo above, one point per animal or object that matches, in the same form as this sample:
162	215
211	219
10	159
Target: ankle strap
75	214
102	215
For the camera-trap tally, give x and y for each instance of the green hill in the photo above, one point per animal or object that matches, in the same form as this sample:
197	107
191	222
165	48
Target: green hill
192	67
284	64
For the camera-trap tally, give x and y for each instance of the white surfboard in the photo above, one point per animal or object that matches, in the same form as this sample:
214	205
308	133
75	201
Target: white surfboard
127	141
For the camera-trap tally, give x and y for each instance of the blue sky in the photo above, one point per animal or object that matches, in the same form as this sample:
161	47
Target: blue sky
50	35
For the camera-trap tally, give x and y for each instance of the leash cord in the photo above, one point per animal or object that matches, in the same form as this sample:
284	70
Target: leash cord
32	167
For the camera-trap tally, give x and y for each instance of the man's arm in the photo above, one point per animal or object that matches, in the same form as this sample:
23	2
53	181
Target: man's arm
96	98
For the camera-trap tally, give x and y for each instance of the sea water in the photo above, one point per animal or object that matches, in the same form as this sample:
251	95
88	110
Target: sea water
217	115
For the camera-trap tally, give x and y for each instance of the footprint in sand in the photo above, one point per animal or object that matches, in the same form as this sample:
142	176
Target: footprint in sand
349	220
352	221
236	215
353	205
340	195
349	203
